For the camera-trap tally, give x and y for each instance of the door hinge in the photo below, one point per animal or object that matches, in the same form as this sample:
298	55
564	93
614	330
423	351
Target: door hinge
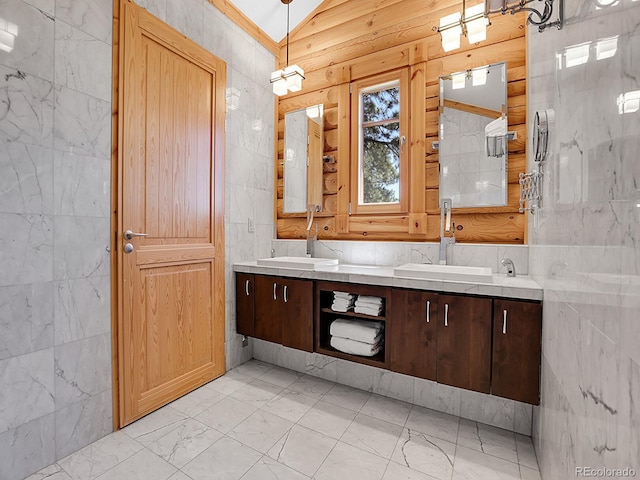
349	208
115	243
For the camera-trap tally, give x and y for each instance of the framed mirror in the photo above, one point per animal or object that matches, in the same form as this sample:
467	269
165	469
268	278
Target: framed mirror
472	136
303	148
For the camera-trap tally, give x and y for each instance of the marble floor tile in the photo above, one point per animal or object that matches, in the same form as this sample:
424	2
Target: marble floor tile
100	456
487	439
425	454
329	419
387	409
155	425
52	472
261	430
527	473
275	424
372	435
142	466
311	386
180	446
280	376
302	449
226	414
437	424
473	465
269	469
230	382
253	368
290	404
346	462
346	397
197	401
526	453
396	471
227	459
257	393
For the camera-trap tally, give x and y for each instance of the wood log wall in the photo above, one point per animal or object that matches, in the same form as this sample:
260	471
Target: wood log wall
348	40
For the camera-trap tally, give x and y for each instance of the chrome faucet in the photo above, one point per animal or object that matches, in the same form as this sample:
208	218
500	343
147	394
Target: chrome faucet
446	226
311	237
511	268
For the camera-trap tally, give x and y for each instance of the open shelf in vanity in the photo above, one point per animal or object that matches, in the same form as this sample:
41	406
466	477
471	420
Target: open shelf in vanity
325	316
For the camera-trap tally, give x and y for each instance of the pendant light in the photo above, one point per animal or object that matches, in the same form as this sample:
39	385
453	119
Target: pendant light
290	78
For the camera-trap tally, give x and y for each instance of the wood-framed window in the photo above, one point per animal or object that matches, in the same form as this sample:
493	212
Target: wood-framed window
380	143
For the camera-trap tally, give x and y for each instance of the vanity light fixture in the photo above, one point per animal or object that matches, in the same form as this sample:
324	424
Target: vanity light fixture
290	78
472	23
538	18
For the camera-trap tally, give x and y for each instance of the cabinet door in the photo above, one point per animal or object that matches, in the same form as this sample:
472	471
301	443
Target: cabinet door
464	342
297	313
268	318
517	330
245	293
411	333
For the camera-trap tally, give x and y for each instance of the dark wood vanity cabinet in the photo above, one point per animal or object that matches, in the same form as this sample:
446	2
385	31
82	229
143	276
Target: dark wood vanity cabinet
412	333
275	309
464	342
245	304
517	335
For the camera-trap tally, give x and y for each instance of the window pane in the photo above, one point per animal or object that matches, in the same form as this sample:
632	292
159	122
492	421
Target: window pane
381	105
380	168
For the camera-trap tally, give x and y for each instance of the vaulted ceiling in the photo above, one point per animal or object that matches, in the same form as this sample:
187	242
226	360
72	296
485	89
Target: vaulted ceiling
271	15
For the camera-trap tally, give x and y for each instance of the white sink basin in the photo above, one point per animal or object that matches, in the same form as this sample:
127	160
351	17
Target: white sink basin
444	272
301	263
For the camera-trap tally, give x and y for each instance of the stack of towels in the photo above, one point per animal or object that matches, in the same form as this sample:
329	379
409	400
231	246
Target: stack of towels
342	301
368	305
357	337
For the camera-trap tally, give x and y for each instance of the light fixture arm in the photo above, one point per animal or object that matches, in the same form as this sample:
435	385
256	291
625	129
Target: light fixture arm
542	20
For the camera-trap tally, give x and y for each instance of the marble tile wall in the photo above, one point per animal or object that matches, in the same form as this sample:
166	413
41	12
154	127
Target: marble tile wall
488	409
55	319
585	242
55	127
398	253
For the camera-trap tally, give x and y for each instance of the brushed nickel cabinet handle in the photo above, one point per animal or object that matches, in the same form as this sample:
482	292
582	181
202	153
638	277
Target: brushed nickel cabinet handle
504	322
446	314
275	296
246	287
286	299
428	311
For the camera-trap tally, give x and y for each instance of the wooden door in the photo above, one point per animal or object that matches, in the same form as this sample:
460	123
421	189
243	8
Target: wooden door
268	319
412	331
464	342
245	307
297	313
517	335
170	176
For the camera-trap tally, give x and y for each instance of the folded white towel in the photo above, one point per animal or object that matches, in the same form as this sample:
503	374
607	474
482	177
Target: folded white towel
369	299
375	311
341	309
342	301
359	330
353	347
347	295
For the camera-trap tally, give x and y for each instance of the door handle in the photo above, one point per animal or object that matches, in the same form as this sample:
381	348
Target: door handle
246	287
428	311
128	235
446	314
286	299
275	297
504	322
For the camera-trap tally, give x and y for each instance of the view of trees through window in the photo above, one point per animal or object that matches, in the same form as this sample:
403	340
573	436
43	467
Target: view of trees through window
380	161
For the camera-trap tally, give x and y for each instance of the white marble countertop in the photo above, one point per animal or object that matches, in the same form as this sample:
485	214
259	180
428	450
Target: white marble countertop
521	287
